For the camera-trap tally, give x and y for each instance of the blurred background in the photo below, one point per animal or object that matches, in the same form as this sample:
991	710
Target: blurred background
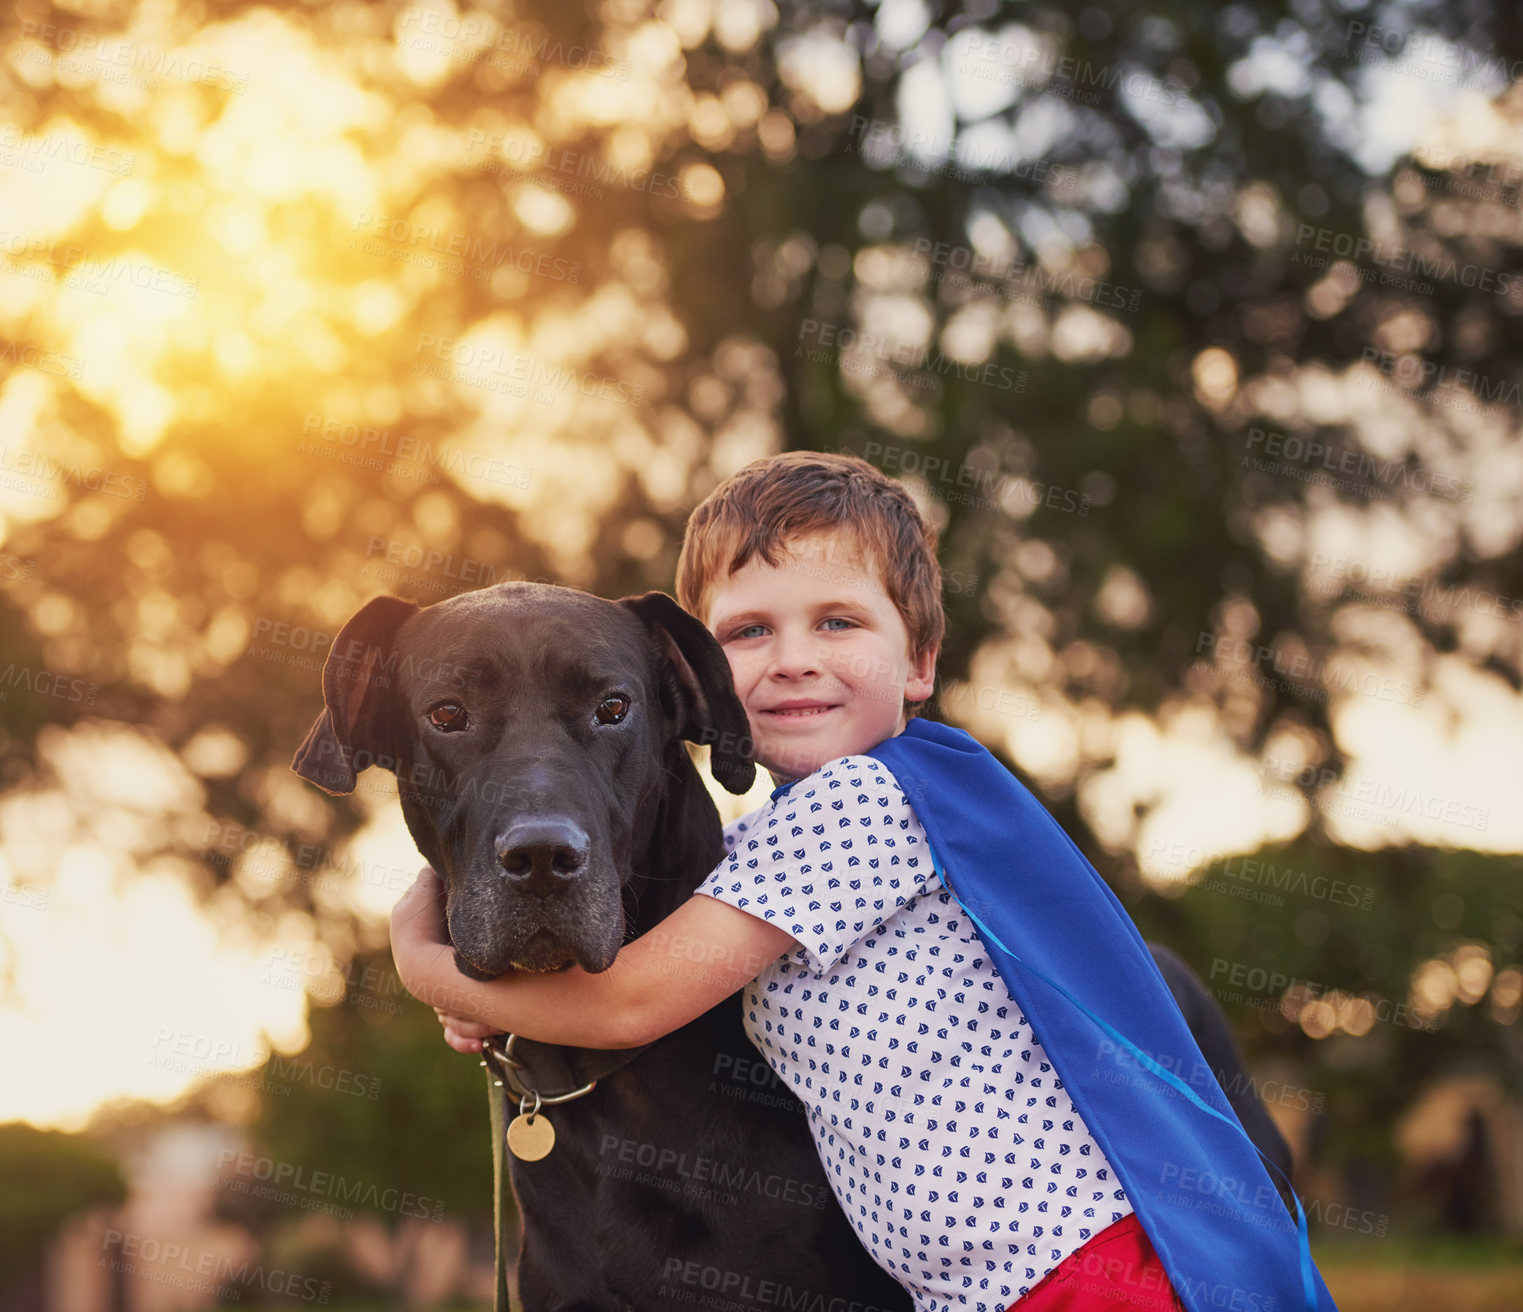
1195	328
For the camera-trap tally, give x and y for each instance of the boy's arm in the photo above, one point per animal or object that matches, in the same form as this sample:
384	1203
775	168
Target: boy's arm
693	959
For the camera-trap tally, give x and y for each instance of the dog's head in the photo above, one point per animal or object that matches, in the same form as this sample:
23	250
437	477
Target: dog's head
532	730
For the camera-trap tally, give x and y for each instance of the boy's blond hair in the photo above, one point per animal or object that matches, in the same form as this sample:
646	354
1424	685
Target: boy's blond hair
760	509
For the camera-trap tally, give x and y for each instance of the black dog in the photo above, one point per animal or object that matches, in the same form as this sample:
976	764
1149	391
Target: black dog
535	733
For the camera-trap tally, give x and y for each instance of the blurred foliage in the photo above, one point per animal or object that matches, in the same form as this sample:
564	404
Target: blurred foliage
380	1104
375	1117
388	225
251	519
1353	923
46	1176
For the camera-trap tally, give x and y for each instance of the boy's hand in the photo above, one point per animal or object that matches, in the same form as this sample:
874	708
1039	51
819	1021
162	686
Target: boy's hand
419	912
419	932
419	936
461	1034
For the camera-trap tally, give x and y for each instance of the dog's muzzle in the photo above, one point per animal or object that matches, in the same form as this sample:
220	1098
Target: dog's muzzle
542	855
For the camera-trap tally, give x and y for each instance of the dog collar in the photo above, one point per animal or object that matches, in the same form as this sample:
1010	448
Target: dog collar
531	1136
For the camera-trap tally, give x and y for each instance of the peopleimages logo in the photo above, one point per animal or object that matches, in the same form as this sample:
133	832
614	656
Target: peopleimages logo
1422	590
856	351
667	1162
1268	989
1259	872
203	1271
882	142
554	163
116	59
1318	247
497	369
1314	461
962	266
1000	486
26	355
1324	675
399	238
742	1285
1428	57
525	50
328	1184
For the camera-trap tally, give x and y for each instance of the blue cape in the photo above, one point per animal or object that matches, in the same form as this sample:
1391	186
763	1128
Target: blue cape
1079	970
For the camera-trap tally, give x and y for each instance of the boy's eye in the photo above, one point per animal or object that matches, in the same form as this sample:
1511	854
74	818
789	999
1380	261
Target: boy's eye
837	619
750	631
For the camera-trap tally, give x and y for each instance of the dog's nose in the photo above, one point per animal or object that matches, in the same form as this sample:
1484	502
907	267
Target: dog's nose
542	856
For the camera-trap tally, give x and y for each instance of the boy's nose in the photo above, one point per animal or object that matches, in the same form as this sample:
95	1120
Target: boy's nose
795	657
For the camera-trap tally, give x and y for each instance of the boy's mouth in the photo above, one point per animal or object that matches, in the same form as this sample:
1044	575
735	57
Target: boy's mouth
799	710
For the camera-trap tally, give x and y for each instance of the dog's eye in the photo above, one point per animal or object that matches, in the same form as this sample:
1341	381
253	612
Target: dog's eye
448	717
612	709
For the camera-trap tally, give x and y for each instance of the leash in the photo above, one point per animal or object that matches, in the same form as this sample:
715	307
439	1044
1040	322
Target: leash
529	1136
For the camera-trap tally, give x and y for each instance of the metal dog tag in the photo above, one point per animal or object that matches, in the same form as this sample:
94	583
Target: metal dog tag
531	1136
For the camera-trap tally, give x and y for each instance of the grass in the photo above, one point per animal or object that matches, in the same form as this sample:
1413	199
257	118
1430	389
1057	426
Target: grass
1411	1274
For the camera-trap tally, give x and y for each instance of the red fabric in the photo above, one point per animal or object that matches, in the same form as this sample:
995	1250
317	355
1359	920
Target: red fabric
1117	1268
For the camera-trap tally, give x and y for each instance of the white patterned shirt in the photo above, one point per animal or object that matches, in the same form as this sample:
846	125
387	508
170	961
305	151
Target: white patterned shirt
946	1135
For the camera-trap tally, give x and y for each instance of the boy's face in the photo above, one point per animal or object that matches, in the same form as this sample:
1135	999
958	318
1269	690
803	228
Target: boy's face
820	654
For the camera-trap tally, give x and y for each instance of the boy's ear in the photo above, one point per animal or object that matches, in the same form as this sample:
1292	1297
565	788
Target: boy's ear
921	680
711	714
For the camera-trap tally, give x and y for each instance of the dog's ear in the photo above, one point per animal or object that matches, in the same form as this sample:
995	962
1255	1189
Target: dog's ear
711	713
354	683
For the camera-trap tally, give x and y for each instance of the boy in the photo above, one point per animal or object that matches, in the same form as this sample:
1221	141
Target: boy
948	1135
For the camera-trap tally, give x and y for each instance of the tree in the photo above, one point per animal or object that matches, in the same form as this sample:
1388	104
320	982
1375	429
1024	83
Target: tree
1126	292
375	1116
46	1177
